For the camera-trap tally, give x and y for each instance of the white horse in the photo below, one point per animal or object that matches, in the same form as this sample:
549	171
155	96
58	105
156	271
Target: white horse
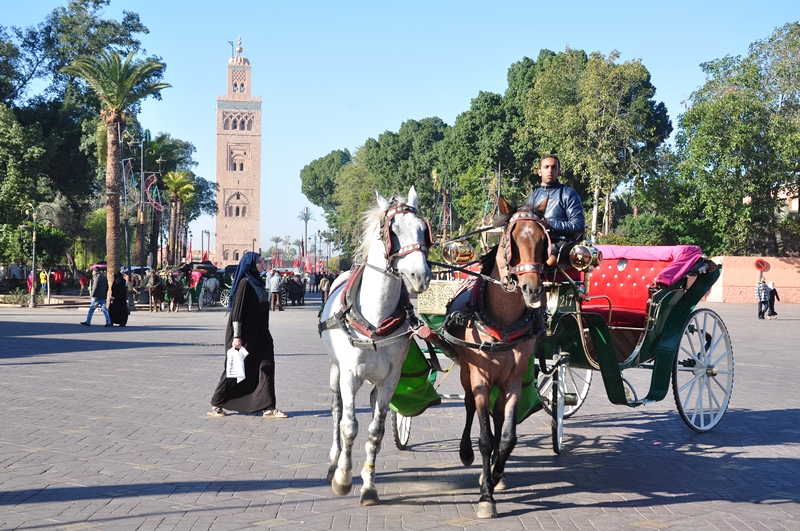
366	333
209	293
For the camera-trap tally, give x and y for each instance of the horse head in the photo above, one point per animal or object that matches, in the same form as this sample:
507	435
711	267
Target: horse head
406	238
524	249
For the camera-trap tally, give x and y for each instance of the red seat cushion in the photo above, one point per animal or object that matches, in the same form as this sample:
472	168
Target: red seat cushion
627	289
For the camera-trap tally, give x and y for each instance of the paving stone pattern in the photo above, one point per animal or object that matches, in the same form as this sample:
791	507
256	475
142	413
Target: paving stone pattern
107	429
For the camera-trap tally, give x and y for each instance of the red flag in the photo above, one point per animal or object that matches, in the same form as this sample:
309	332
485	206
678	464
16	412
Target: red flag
205	257
189	254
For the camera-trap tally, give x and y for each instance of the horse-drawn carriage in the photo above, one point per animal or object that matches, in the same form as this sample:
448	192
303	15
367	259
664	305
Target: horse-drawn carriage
633	310
523	326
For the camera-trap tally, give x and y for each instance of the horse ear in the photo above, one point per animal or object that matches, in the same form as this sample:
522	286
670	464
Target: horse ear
413	199
382	201
505	208
541	207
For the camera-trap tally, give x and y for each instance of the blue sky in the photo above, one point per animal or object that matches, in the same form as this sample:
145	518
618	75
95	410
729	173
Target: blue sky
333	74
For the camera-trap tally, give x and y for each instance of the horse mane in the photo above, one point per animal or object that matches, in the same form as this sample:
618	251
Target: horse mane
371	224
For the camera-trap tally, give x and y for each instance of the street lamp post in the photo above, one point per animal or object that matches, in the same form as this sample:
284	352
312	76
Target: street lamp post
32	211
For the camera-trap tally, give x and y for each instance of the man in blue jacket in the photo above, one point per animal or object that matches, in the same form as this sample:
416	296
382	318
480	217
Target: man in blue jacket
564	218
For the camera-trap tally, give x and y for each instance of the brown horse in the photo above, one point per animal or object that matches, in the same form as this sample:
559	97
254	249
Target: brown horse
493	328
155	291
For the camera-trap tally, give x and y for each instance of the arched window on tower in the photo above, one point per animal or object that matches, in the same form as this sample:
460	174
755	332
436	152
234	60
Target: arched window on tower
249	125
241	87
235	87
244	209
225	254
237	211
241	125
226	124
241	166
236	256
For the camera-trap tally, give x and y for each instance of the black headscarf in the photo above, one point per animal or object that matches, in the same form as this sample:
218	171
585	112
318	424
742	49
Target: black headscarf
248	269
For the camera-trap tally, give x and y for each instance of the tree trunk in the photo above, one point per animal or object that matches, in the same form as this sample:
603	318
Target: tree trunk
594	212
113	184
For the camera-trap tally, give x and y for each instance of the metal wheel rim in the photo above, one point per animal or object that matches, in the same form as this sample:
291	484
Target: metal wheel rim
225	297
702	375
558	411
401	430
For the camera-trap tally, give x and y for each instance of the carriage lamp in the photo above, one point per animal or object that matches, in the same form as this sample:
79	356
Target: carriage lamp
585	255
457	252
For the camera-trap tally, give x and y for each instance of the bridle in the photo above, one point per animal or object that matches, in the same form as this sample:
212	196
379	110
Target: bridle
391	254
525	268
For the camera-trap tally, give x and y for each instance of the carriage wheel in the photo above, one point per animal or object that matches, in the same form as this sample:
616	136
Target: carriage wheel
702	376
558	389
577	383
225	297
401	430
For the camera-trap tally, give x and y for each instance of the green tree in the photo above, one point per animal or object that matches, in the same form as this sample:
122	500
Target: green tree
599	116
119	84
180	185
21	154
408	157
740	142
318	178
355	191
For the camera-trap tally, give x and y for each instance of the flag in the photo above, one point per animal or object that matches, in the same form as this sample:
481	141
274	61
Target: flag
205	257
189	254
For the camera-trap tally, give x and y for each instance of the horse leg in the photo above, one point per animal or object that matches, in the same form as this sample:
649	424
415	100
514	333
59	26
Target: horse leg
486	504
500	422
343	477
380	397
336	411
465	451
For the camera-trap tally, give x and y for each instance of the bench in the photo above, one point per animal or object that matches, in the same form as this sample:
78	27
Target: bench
626	275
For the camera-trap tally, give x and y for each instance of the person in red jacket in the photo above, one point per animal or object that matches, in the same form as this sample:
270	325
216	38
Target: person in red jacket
84	281
58	279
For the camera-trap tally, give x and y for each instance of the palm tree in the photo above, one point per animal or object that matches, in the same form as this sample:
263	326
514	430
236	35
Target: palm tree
119	84
305	216
181	188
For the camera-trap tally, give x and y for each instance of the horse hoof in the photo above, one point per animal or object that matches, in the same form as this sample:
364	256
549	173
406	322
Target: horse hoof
500	483
331	472
467	456
342	483
369	497
486	509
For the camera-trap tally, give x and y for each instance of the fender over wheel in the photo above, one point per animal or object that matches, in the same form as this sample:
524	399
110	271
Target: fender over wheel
702	375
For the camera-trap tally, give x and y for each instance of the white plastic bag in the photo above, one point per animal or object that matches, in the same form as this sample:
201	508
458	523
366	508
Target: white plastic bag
234	364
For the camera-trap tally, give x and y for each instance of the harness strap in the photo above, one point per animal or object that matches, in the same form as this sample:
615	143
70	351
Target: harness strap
486	346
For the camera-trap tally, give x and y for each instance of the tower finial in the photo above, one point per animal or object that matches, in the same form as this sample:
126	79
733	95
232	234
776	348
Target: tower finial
239	47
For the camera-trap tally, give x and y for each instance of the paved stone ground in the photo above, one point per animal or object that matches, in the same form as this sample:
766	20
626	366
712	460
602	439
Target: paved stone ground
107	429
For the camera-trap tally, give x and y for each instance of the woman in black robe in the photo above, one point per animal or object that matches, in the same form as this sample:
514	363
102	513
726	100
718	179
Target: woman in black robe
248	327
118	309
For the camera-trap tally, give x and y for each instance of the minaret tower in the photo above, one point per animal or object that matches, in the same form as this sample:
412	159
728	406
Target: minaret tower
238	165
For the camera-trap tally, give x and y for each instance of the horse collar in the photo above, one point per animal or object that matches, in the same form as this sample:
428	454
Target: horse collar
353	316
486	325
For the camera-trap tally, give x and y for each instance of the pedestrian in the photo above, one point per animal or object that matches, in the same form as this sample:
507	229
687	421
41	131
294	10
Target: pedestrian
30	282
118	309
58	280
43	281
83	281
99	295
762	296
324	287
773	296
248	327
275	286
